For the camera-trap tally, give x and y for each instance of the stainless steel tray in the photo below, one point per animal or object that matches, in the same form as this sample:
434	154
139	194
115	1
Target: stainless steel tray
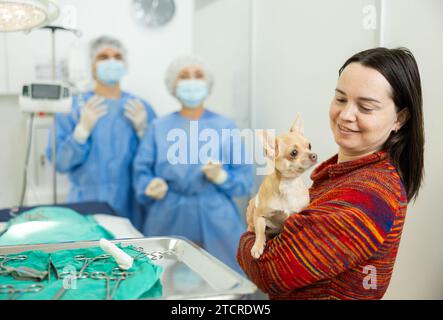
189	271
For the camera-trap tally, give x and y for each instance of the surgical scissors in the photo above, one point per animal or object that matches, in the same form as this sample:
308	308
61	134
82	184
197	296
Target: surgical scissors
80	274
88	261
73	275
6	270
20	272
76	275
155	255
14	293
123	276
117	275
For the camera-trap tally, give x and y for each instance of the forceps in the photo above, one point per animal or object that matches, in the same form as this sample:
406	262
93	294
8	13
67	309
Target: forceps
76	275
21	272
116	275
80	274
88	261
14	293
73	275
4	269
155	255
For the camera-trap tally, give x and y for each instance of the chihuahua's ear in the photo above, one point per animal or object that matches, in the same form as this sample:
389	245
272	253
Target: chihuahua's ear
270	144
297	126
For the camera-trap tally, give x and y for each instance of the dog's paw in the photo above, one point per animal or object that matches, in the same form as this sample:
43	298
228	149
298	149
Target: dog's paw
257	250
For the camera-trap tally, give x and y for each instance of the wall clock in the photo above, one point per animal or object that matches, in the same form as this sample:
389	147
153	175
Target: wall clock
154	13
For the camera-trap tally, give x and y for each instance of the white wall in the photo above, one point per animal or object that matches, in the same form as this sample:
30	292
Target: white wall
149	50
12	154
299	47
274	59
3	65
296	50
418	273
222	36
149	53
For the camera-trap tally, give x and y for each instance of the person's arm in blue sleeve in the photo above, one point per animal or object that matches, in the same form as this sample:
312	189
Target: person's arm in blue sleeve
239	181
240	170
144	165
70	153
151	113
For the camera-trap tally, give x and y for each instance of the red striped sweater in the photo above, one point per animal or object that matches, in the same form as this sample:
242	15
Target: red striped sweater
344	244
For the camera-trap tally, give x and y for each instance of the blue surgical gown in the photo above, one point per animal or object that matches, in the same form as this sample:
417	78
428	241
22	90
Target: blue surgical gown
101	168
194	207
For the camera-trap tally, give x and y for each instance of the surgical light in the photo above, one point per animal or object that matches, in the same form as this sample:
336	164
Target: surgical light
25	15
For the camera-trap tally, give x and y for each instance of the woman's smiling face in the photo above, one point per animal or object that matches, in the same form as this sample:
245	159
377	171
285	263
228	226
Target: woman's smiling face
362	113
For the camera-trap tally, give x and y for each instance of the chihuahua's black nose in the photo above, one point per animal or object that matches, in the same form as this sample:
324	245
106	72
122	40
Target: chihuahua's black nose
313	156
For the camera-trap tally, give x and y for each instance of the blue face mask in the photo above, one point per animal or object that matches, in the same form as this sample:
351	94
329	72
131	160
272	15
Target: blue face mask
191	92
110	71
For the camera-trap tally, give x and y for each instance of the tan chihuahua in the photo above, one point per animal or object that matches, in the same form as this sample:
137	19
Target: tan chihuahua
283	191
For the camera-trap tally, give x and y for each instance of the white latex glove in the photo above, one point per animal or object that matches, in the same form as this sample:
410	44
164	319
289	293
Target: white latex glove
136	113
214	172
157	189
90	113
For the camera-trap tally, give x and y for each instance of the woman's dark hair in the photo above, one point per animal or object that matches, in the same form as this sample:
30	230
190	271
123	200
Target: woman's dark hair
406	146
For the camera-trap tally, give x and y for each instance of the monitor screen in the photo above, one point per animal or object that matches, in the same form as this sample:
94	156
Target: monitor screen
45	91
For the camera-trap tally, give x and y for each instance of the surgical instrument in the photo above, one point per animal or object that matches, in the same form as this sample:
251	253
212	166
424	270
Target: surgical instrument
14	293
78	275
88	261
123	276
117	275
5	259
7	270
154	255
21	272
74	276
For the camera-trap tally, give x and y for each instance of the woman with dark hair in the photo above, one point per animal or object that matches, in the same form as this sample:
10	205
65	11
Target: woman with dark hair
343	245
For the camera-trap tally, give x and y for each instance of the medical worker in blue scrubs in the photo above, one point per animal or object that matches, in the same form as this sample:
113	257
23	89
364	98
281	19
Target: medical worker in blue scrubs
96	142
187	172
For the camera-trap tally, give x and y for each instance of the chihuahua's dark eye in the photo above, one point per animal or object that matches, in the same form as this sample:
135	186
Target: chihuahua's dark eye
309	146
294	153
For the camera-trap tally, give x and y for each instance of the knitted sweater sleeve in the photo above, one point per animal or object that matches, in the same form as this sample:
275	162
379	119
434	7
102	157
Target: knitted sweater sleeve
345	227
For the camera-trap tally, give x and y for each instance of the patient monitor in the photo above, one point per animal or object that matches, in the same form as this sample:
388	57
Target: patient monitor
47	97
